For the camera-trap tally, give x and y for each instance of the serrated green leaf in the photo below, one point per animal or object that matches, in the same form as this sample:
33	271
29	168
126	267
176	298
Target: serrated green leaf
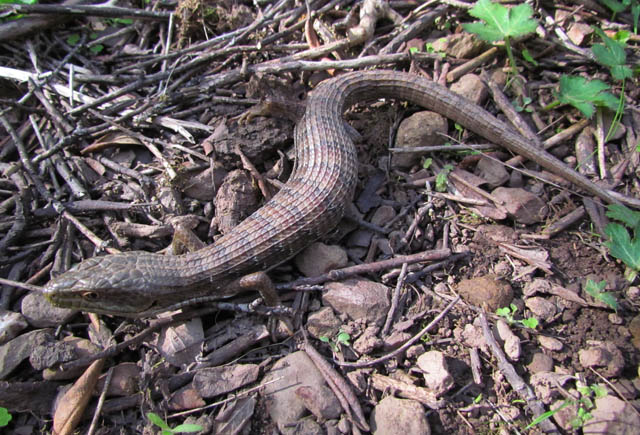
611	55
619	212
484	31
501	22
584	95
621	246
609	299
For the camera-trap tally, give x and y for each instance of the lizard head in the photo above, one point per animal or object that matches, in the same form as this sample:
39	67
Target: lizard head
105	285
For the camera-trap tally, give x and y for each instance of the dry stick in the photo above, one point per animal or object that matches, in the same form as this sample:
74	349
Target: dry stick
25	160
405	346
86	10
93	238
516	382
340	274
509	111
394	300
103	395
343	391
458	72
171	173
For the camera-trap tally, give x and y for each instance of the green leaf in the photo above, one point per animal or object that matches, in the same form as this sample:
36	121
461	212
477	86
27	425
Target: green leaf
527	56
609	299
442	178
612	55
427	163
413	50
343	338
73	39
95	49
621	246
5	417
501	22
187	428
584	95
599	391
504	311
614	5
158	421
630	218
531	323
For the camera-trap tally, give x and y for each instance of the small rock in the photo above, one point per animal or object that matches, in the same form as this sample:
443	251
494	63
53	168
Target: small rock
320	258
540	363
472	88
187	397
564	413
612	416
436	373
124	381
323	323
281	383
550	343
460	45
541	308
393	416
511	341
214	381
604	355
41	314
471	335
420	129
383	215
523	206
634	329
236	199
11	323
20	348
488	290
203	185
321	404
359	299
615	319
537	286
68	349
360	239
368	341
492	171
633	294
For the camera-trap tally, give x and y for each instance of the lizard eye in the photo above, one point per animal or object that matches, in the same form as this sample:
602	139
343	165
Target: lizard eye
92	296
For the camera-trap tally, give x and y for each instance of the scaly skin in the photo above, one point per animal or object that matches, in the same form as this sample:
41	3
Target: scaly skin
310	204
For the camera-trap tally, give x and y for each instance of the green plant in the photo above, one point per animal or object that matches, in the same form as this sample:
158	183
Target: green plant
585	404
502	24
5	417
166	430
509	315
442	178
619	6
621	245
584	95
612	54
595	289
342	338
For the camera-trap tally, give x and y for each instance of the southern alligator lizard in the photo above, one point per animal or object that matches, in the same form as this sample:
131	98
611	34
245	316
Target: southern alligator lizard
309	205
